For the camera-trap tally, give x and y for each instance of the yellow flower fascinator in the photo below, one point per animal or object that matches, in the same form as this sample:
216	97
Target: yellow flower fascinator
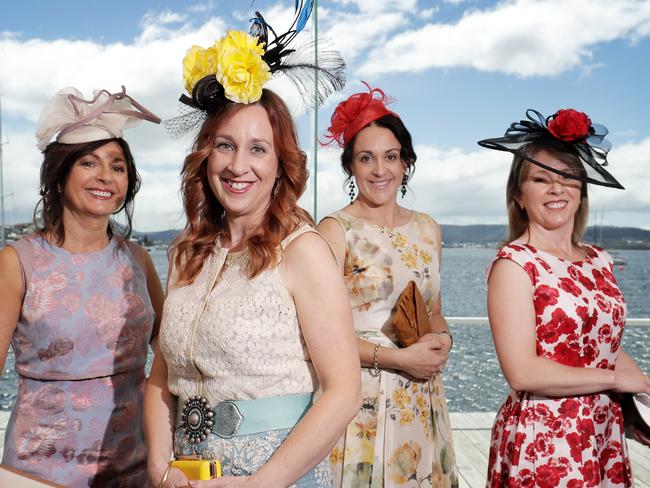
238	65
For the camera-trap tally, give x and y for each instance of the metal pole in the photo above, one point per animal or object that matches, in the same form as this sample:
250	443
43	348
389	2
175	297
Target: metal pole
2	188
315	120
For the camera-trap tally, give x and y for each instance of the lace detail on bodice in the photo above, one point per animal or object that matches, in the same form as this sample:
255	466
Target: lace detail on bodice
247	341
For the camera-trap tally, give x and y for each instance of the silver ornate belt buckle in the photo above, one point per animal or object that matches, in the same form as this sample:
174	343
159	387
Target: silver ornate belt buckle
197	419
228	419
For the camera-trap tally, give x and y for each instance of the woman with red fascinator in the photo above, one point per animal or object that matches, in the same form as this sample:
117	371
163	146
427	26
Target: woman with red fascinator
402	431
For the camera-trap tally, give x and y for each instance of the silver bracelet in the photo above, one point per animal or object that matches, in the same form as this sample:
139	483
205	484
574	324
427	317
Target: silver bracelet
374	371
451	338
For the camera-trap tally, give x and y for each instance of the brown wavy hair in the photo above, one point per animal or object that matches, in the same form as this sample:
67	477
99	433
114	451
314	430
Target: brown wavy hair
206	217
58	160
518	217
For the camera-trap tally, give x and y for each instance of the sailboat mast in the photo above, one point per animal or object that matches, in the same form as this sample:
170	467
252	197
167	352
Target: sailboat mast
2	188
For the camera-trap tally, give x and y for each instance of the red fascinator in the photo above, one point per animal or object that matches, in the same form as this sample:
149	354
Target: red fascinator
355	113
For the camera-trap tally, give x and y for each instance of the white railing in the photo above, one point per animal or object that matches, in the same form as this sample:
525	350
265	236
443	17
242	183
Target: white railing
484	321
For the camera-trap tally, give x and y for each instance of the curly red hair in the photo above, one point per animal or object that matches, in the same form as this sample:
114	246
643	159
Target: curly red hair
206	217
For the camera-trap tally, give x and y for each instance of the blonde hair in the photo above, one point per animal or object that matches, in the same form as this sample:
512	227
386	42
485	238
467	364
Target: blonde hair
518	217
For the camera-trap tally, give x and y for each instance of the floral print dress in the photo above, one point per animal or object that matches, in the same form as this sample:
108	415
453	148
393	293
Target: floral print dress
576	441
80	345
401	437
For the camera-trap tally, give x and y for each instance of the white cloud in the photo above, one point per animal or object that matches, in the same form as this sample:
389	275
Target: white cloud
519	37
202	7
368	31
149	67
162	18
368	7
457	187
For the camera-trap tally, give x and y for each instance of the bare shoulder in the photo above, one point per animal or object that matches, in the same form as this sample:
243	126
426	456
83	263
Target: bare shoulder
330	228
10	271
9	261
308	246
307	259
505	272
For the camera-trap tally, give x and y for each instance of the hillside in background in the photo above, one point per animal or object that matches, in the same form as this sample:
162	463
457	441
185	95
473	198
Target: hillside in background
608	237
490	235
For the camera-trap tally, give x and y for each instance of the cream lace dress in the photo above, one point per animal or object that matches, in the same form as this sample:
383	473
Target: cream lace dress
246	344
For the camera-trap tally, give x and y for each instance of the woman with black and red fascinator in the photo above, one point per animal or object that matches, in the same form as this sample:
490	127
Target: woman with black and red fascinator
557	315
402	431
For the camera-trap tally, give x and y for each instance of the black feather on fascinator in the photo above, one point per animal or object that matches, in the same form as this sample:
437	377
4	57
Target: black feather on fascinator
238	65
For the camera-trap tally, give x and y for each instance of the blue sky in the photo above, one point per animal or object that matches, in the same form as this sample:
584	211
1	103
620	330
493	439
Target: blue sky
460	70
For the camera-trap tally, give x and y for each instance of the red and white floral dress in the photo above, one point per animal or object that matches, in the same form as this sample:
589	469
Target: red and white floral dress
577	441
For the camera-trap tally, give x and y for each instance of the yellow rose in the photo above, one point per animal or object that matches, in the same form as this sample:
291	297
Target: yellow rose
198	63
421	402
401	398
404	462
241	70
239	40
399	241
409	259
406	417
336	456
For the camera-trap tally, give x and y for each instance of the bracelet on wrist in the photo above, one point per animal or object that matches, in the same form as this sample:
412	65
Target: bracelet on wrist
451	338
374	371
165	475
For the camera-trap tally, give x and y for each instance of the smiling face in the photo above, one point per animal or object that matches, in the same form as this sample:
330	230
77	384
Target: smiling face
549	199
243	165
97	182
376	165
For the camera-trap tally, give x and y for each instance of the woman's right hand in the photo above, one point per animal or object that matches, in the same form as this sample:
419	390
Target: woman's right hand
425	358
176	479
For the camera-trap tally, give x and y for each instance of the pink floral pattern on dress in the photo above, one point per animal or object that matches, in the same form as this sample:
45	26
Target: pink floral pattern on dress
80	345
539	441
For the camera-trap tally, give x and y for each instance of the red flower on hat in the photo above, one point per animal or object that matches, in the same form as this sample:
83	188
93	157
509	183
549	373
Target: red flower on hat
569	125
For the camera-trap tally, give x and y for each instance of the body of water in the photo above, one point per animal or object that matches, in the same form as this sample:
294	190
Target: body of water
473	379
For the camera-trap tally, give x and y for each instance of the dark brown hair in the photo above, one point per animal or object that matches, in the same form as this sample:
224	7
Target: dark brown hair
206	217
401	133
518	217
57	162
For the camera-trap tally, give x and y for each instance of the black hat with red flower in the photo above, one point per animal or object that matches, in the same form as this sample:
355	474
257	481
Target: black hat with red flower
566	130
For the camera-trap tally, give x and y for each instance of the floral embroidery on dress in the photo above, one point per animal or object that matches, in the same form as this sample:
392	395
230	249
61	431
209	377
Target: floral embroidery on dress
80	344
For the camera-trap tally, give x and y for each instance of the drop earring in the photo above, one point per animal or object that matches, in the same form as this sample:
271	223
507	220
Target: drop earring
352	192
405	180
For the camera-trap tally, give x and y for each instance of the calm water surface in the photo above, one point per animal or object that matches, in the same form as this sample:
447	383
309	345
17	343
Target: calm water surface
473	380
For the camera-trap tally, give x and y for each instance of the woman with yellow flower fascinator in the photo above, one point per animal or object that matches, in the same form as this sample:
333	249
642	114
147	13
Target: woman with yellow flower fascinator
254	295
237	67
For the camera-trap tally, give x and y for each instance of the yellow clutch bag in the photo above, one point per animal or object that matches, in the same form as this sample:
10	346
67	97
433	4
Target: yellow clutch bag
198	469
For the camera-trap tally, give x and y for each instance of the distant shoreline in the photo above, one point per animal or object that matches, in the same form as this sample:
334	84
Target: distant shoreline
453	236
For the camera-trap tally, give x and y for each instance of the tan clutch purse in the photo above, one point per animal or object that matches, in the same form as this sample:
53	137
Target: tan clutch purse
409	316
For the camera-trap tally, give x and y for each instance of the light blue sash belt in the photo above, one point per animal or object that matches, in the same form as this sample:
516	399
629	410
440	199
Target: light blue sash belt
232	418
